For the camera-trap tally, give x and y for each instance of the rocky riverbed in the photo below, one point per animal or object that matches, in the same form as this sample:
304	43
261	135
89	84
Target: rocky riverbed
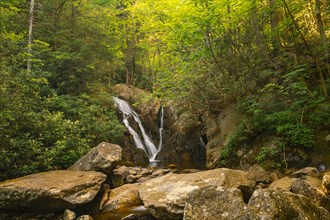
99	184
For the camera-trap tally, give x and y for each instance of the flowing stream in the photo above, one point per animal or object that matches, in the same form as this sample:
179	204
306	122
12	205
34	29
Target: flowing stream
145	143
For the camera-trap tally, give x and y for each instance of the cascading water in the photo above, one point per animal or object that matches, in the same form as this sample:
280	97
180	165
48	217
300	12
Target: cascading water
148	146
161	127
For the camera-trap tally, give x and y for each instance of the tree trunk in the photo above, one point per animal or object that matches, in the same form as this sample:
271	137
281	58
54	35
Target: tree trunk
319	21
275	38
256	27
30	36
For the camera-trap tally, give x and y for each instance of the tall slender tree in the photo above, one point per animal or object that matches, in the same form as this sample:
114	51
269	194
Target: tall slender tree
30	38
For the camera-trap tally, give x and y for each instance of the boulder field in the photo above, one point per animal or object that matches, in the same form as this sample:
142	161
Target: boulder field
220	193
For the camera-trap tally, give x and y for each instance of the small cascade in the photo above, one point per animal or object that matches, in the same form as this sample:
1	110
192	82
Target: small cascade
148	146
161	128
202	142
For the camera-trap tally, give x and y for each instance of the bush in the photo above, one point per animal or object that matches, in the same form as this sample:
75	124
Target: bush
42	131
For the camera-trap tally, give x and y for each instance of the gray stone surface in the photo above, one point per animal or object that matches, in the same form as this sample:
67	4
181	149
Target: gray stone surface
50	191
165	197
278	204
214	203
104	158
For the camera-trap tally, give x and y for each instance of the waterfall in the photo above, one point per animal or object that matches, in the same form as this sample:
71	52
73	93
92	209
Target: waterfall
202	142
161	127
148	147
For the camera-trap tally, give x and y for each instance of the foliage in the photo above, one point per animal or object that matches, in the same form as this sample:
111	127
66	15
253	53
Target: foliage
270	158
204	55
49	132
53	114
240	136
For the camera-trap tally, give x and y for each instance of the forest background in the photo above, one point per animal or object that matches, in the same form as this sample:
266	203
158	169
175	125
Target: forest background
59	60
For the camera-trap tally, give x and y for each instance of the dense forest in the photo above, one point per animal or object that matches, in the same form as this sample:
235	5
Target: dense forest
59	60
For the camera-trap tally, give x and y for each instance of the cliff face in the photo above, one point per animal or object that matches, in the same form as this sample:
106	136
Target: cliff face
229	139
223	131
181	132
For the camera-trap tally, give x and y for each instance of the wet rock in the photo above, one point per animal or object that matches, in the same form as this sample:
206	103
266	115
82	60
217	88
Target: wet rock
214	203
181	133
50	191
278	204
122	197
69	215
104	158
165	196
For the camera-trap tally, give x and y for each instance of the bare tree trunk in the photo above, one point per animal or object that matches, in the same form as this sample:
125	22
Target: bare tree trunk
320	25
256	27
274	25
30	36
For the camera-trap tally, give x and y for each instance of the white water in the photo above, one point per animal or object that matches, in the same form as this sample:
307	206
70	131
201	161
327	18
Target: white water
161	127
148	146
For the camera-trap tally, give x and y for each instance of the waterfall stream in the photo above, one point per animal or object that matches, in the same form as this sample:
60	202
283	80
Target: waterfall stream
161	127
147	145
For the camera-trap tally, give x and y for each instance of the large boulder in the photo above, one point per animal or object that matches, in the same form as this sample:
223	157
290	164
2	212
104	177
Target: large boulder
278	204
307	171
214	203
284	183
326	183
165	197
307	184
311	188
104	158
122	197
50	191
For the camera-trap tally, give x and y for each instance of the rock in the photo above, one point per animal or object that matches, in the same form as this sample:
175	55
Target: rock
307	171
218	130
278	204
69	215
123	174
260	175
311	188
326	183
284	183
165	196
181	133
273	177
104	158
29	216
85	217
214	203
50	191
122	197
143	216
160	172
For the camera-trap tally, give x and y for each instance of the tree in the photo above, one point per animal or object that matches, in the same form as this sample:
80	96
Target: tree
30	36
